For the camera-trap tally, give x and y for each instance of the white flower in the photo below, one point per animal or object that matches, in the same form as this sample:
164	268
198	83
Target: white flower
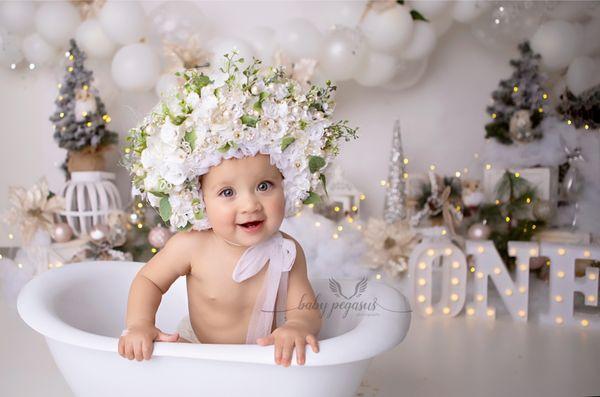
170	133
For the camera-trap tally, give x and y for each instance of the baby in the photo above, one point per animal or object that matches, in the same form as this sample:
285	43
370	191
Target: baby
224	158
244	201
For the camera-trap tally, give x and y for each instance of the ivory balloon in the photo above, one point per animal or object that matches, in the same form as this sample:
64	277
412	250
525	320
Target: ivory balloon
93	40
343	53
389	30
349	13
591	35
56	22
468	11
422	43
135	67
299	38
37	50
557	42
223	45
431	9
123	22
583	73
441	23
176	21
17	16
10	48
263	42
407	74
378	69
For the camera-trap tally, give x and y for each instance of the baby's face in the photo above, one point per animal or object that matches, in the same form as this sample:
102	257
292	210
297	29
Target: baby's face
239	191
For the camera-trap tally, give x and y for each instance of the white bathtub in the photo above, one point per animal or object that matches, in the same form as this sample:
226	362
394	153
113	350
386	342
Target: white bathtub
80	310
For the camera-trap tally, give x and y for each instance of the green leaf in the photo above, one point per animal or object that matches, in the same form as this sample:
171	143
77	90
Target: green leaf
401	2
224	148
417	16
286	141
315	163
199	215
165	209
185	228
249	120
190	137
324	182
257	106
159	194
312	198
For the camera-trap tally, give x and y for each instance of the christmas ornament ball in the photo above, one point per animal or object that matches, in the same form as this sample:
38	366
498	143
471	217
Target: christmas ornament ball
520	127
99	233
543	210
62	232
159	236
479	231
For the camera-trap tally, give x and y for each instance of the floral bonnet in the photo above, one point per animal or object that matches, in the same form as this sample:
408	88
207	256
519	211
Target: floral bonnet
237	111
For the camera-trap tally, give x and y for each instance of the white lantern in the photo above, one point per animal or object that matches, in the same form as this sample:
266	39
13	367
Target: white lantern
89	197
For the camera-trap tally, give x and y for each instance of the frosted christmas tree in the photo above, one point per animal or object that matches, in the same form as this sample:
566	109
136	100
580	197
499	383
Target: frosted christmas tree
80	119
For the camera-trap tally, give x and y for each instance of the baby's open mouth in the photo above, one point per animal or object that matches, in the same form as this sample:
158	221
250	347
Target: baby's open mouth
251	225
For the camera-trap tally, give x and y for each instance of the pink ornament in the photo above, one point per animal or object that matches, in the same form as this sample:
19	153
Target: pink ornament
159	236
62	232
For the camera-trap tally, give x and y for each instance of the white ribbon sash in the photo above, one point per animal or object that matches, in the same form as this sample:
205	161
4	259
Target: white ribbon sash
280	253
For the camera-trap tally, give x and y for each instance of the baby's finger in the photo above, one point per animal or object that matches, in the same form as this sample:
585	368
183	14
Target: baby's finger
312	340
137	347
288	349
147	349
121	347
278	350
267	340
300	351
129	350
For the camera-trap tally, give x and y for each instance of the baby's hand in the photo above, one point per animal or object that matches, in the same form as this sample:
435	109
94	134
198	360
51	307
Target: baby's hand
285	338
138	341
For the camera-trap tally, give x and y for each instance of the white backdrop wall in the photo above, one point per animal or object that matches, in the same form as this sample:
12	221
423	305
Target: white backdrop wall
442	117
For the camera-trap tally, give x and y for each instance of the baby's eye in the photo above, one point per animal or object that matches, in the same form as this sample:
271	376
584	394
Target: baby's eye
226	192
264	185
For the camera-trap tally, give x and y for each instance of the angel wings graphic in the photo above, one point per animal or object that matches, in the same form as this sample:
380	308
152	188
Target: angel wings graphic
359	288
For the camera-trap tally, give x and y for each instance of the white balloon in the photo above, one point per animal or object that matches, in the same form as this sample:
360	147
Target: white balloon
37	50
124	22
441	23
378	69
422	43
263	42
408	73
135	67
350	12
557	42
225	45
92	39
17	16
388	30
299	38
343	53
591	37
177	21
10	49
166	84
431	9
468	11
583	73
56	22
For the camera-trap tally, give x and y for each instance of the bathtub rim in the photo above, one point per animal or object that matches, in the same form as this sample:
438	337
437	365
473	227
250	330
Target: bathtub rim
367	339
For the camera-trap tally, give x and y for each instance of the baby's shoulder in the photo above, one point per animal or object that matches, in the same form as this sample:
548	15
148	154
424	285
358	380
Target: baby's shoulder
188	240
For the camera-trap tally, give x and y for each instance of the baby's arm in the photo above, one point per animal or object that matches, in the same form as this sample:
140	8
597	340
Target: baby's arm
145	295
303	317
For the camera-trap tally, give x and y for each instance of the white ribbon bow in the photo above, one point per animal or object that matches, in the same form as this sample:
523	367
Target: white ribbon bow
280	253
